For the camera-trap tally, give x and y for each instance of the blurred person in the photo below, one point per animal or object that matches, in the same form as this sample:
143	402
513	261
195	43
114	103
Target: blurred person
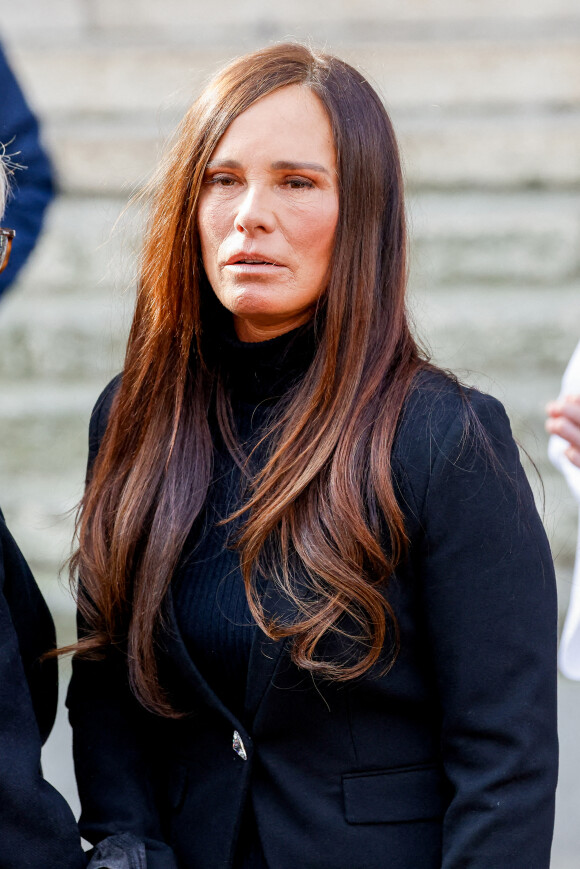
32	188
317	609
37	827
563	423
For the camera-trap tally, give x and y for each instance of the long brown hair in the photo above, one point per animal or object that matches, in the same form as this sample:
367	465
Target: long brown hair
322	502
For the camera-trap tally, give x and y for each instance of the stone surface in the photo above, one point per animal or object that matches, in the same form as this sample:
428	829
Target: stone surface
303	14
530	239
104	78
525	239
502	331
118	157
47	20
88	249
64	339
473	258
519	151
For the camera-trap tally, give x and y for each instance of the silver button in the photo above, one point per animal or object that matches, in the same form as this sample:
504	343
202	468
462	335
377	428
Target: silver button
238	746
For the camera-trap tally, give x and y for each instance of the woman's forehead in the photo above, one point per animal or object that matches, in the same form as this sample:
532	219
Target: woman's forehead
289	125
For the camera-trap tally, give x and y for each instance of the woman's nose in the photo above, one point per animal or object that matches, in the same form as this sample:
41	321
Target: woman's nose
255	212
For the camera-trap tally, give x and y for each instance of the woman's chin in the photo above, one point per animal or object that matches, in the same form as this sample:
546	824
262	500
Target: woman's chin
258	303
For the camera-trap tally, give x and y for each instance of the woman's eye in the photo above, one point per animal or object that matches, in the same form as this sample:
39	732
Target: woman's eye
222	181
299	183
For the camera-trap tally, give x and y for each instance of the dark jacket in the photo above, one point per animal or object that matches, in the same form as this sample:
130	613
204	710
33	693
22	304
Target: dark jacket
447	761
32	185
37	828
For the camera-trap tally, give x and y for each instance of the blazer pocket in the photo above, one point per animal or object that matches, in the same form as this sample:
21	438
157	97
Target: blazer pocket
394	795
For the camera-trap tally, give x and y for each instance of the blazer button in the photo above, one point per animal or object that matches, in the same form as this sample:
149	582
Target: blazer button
238	746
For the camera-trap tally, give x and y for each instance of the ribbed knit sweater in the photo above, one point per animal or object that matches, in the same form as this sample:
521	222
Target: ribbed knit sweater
208	590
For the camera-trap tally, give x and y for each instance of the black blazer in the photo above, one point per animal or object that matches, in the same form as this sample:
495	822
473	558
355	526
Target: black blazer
37	828
447	761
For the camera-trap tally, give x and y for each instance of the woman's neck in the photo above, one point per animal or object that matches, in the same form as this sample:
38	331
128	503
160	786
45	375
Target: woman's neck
258	370
254	330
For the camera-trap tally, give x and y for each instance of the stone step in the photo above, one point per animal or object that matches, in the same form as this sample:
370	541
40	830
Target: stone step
162	80
43	424
39	501
58	595
480	152
521	238
148	12
88	249
499	331
57	19
61	339
39	441
43	427
228	20
116	157
495	328
40	509
44	434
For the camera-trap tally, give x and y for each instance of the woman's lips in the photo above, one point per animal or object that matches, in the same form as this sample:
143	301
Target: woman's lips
252	265
251	259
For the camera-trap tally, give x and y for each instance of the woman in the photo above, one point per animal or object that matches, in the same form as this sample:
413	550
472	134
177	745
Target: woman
317	605
37	828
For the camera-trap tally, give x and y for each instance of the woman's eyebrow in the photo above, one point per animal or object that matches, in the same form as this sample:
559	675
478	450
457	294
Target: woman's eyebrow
290	165
227	164
279	165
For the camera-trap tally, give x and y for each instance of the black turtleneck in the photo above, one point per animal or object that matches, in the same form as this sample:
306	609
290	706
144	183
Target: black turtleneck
210	602
208	590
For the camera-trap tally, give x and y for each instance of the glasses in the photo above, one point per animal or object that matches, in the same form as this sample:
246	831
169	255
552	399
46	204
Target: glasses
6	236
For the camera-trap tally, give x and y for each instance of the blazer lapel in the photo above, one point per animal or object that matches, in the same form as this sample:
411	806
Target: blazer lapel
266	653
182	666
265	656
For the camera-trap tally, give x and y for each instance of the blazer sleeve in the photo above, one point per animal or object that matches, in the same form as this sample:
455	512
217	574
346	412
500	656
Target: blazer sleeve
113	733
37	827
490	604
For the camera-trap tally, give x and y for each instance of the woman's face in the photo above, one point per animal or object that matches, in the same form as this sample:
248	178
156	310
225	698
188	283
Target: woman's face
268	211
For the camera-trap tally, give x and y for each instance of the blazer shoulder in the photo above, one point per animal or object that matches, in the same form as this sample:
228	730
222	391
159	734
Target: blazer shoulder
100	416
438	404
445	423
